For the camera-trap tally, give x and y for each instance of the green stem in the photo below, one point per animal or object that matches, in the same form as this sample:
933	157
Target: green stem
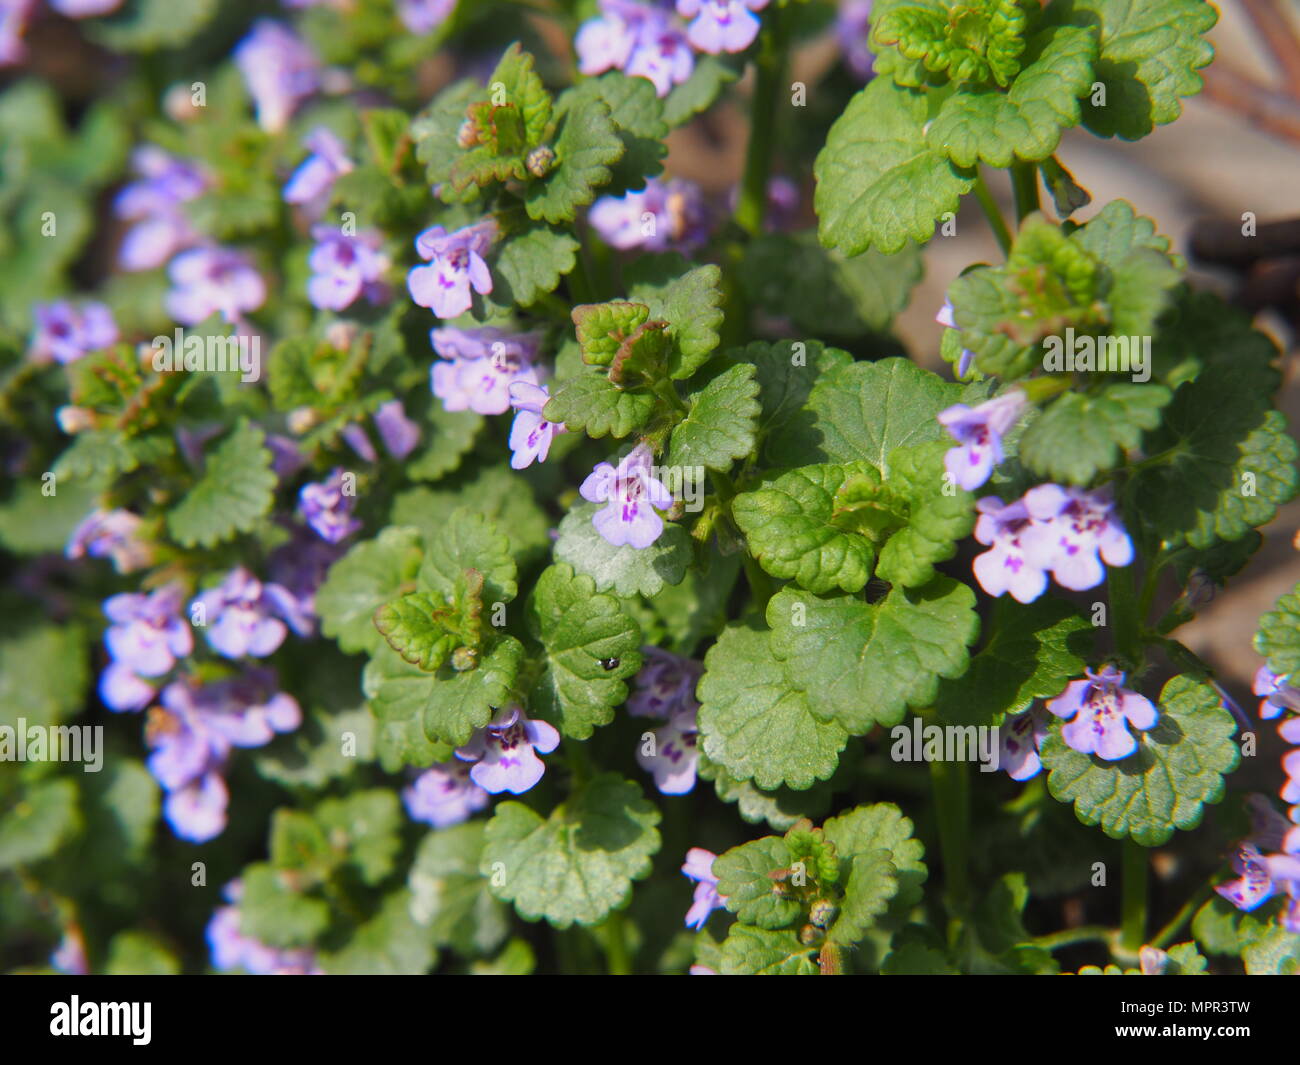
990	208
579	763
1134	900
1090	933
618	959
950	782
1170	931
768	86
1124	616
1024	186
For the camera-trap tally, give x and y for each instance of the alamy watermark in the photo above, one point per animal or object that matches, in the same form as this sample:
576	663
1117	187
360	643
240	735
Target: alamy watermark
53	743
1086	353
919	742
212	354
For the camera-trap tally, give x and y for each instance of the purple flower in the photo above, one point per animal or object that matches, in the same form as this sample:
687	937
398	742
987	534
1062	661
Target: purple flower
313	181
65	333
978	432
155	204
238	616
444	795
665	685
146	637
197	811
1006	568
358	441
1071	528
699	867
721	25
297	569
1102	710
639	40
327	507
111	534
84	8
479	366
70	956
455	266
852	28
231	949
424	16
13	23
343	267
633	495
1278	695
1021	737
675	756
945	317
399	434
120	688
667	215
280	70
505	752
208	281
530	433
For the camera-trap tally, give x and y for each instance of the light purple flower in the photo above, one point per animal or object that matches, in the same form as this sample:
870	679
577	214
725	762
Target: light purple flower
676	755
313	181
638	39
280	70
208	281
665	685
1102	710
505	752
399	434
65	332
424	16
530	433
444	795
111	534
945	317
148	633
359	441
239	616
1071	528
852	28
327	507
297	569
14	15
70	955
84	8
1278	694
197	811
978	432
344	267
1006	567
231	949
662	55
699	867
633	495
455	267
666	215
155	204
1021	737
721	25
121	689
478	367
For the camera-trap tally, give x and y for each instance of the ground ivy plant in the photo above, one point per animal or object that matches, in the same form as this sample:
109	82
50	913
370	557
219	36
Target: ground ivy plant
485	551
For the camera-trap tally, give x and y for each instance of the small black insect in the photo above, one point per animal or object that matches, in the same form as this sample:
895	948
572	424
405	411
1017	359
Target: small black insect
609	663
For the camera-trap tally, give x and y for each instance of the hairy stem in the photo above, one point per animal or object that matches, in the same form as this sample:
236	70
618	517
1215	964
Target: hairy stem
770	66
990	208
950	782
1089	933
1170	931
1124	617
1134	899
1024	185
618	960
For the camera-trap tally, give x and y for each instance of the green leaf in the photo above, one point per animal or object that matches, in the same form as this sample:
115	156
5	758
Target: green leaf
721	424
1032	652
1230	459
96	455
529	264
863	411
592	647
448	895
273	913
151	25
624	570
878	182
749	951
1275	953
867	893
578	864
587	146
1278	638
1026	122
237	488
934	514
712	74
863	664
140	954
418	627
637	114
469	540
435	129
390	943
449	437
1177	768
867	832
1185	960
792	276
44	673
754	724
593	404
365	827
601	328
691	302
1081	434
1150	54
372	573
779	808
448	705
42	819
747	888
